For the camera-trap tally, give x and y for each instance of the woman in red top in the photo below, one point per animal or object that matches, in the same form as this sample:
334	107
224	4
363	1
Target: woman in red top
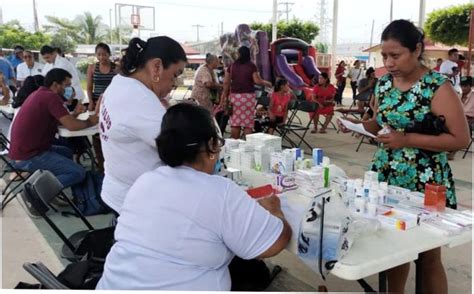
278	107
323	94
341	81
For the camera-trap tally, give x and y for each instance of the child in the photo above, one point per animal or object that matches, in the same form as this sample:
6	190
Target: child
278	108
261	118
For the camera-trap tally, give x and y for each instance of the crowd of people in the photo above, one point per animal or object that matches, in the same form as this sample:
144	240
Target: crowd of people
161	161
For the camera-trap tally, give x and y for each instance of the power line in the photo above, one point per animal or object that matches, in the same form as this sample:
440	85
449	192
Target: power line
212	7
287	9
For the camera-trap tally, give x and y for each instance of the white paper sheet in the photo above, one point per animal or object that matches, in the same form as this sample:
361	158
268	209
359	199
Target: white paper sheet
358	128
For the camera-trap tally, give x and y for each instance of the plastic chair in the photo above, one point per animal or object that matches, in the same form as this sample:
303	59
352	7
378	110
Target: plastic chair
38	192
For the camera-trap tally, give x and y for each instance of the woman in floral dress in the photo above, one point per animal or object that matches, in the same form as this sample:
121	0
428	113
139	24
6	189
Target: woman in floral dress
408	93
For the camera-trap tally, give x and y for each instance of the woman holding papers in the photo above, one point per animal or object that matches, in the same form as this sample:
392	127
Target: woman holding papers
413	149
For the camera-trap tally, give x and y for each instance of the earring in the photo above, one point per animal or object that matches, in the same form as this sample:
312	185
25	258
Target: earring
212	157
156	79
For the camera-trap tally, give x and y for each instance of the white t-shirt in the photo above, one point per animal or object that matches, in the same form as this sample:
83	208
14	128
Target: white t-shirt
130	120
447	68
180	228
23	71
61	62
355	74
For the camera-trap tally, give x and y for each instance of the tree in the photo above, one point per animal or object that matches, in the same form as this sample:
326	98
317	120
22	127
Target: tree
295	28
91	28
321	47
124	32
450	25
12	33
84	29
64	42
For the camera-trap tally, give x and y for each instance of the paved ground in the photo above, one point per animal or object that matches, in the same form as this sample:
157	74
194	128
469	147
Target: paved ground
27	240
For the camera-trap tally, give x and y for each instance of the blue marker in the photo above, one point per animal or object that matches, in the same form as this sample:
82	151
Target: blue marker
317	156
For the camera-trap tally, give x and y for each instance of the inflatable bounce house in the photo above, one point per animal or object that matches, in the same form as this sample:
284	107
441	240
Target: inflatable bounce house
289	58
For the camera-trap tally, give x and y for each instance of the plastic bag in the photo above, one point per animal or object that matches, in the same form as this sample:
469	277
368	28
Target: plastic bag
324	236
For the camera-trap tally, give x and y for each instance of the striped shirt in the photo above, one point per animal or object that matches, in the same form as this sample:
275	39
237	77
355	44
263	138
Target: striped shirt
101	81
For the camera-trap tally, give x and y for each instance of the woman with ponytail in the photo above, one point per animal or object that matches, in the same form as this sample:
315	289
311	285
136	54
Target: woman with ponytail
131	112
181	225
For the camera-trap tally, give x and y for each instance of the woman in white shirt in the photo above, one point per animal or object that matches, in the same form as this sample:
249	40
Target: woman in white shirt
355	74
132	110
180	225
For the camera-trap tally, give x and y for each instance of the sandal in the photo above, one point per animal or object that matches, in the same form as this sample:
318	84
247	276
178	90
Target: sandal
322	131
314	131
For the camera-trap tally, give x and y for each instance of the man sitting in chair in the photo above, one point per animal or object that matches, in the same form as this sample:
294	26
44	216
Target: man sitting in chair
366	88
35	126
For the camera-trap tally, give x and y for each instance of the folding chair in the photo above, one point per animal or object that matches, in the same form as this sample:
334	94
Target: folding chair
363	141
470	143
303	106
7	169
38	192
188	90
43	275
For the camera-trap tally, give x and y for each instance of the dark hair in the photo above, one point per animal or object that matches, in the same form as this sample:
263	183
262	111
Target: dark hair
30	84
452	51
466	81
103	46
244	55
369	71
406	33
19	47
439	59
340	62
185	129
57	75
357	61
210	57
325	76
139	52
280	82
46	50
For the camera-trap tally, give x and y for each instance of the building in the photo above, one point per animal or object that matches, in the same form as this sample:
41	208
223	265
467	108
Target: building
433	51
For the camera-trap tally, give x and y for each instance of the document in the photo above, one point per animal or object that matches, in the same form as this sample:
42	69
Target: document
358	128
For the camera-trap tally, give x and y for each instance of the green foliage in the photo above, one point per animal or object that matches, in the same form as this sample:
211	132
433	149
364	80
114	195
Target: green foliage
84	29
63	41
12	33
322	47
295	28
450	25
83	63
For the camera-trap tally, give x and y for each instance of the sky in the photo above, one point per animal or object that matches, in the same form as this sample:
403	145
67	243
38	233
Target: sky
176	18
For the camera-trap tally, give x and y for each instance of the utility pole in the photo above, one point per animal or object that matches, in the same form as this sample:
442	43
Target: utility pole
35	16
391	10
335	14
110	24
421	17
197	26
287	9
274	20
371	40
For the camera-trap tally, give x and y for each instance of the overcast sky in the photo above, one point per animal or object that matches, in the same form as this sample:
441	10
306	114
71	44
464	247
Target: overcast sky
176	18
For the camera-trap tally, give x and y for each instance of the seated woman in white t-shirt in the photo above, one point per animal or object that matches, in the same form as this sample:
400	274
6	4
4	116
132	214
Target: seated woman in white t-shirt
180	225
132	108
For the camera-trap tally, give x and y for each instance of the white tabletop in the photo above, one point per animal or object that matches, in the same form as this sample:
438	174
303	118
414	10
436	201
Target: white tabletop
370	254
7	109
63	132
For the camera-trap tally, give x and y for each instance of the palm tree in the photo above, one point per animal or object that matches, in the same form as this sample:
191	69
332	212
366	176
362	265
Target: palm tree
91	28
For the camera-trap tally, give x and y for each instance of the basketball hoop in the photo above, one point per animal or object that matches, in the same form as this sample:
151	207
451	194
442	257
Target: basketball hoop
135	19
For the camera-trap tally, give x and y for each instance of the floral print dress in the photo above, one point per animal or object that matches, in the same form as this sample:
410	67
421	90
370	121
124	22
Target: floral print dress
410	168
